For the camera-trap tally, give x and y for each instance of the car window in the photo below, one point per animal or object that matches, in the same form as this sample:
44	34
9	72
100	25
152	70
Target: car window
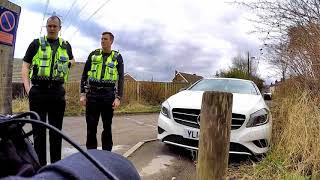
225	85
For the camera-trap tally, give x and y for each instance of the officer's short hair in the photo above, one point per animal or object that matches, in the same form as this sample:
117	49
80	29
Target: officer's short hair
54	17
110	34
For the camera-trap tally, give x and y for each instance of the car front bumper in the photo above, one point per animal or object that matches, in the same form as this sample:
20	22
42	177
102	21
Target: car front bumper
248	141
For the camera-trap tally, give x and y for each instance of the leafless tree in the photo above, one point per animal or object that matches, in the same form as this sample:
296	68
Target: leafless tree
293	27
240	62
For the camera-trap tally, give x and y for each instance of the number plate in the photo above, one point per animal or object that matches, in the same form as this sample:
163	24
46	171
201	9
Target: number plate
191	134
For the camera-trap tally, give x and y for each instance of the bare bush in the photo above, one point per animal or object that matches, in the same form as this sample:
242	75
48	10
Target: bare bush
297	129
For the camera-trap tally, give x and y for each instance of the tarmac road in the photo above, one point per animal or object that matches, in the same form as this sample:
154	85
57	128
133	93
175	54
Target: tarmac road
127	131
153	159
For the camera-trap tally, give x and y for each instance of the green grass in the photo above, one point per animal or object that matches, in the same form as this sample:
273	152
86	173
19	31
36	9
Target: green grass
20	105
137	108
74	109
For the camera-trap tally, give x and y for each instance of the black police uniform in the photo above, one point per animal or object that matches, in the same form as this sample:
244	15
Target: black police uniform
100	97
47	98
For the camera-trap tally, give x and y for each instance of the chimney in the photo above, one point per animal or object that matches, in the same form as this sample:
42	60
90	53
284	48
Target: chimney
175	72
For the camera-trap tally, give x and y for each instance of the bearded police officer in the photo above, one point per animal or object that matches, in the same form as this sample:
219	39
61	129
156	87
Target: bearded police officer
46	63
103	72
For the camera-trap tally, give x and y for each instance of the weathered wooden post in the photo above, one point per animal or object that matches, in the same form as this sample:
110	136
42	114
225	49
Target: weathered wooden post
9	17
215	123
165	90
138	92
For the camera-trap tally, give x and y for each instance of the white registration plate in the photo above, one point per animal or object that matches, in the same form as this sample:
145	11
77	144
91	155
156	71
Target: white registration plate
191	134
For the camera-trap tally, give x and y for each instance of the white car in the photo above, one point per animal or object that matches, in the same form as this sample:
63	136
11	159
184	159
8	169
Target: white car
178	122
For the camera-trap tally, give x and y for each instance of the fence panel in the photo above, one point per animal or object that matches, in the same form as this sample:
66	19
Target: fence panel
73	98
138	91
130	92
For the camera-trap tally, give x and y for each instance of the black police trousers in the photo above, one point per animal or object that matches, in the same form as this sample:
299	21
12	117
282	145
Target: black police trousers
47	101
99	103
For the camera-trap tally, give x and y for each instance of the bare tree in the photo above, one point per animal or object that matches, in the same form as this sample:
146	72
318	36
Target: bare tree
294	28
240	62
278	57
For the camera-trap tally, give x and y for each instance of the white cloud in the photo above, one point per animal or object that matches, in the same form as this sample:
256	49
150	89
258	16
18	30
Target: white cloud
28	30
154	37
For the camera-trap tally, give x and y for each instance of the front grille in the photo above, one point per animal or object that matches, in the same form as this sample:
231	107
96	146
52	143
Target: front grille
191	117
238	148
233	147
181	140
261	143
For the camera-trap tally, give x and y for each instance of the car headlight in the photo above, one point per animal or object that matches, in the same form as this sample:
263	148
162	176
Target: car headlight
258	118
165	109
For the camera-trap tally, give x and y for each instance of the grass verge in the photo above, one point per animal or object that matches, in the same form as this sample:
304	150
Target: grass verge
74	109
295	150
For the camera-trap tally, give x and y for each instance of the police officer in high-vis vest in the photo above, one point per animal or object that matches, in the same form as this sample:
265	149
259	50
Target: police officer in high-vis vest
46	63
101	90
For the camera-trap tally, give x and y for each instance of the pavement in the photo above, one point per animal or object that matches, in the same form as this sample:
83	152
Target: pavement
156	161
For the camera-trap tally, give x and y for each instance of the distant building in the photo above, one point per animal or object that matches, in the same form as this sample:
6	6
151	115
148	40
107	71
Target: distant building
128	77
185	77
272	87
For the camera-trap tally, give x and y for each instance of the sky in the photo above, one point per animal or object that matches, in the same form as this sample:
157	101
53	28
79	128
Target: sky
154	37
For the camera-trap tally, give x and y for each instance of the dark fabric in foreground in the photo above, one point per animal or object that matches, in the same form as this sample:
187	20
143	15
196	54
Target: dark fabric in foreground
77	167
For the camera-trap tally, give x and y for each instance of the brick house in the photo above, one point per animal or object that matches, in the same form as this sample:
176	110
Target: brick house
128	77
185	77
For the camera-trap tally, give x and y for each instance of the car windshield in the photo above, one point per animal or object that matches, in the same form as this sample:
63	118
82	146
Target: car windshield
225	85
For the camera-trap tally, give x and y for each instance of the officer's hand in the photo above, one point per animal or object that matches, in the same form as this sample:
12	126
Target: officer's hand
116	103
83	100
28	91
71	63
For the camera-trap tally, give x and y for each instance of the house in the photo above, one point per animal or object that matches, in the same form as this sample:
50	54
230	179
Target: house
185	77
128	77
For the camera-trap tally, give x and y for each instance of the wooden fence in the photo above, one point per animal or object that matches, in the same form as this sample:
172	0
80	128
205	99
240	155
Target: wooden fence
137	91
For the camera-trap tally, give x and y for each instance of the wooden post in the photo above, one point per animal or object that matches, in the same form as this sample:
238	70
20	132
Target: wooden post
165	90
9	22
214	141
138	91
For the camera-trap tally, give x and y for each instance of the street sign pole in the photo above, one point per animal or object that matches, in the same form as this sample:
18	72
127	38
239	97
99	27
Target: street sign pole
9	18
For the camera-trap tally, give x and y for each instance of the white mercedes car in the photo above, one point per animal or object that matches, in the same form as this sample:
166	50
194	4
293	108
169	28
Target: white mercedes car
178	122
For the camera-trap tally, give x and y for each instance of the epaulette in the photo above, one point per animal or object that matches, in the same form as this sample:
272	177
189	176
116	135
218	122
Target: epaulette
115	55
97	52
64	44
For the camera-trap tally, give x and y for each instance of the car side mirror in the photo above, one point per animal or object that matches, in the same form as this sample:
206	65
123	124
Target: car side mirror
267	96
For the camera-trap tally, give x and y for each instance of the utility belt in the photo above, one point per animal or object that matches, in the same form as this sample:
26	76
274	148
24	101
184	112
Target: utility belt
97	86
95	89
101	83
47	82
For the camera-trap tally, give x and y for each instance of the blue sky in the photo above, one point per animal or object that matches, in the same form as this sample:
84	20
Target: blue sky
154	37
